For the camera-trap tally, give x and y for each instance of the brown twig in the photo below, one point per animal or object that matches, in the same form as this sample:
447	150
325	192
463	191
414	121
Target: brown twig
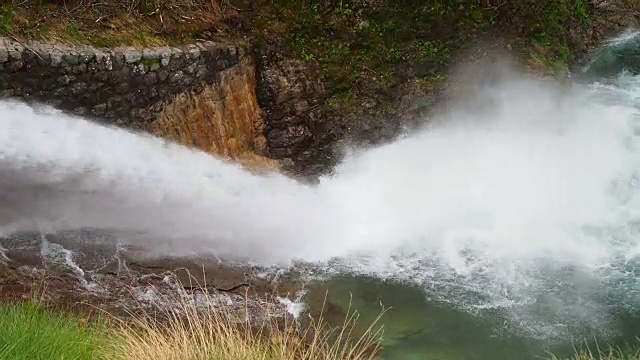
495	7
25	46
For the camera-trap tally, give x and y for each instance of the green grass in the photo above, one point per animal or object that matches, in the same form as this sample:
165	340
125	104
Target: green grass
188	332
29	332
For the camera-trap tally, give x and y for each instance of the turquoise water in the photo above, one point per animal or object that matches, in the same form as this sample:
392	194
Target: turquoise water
417	328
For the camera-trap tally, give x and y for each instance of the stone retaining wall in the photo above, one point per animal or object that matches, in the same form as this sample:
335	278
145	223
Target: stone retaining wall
123	86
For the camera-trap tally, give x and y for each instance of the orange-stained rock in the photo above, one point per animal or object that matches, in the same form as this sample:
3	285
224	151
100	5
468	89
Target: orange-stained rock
222	119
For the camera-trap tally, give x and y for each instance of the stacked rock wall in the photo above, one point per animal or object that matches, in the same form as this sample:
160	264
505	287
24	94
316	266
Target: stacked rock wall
124	86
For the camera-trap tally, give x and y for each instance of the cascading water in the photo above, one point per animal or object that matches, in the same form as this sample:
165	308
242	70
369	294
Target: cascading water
526	203
530	206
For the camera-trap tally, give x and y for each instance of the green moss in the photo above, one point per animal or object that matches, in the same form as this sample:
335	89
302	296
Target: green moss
364	47
432	50
552	46
368	48
6	18
429	82
581	10
149	62
74	31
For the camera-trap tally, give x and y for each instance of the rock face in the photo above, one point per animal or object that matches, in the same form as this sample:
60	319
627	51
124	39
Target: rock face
611	16
290	93
209	95
123	86
223	118
202	95
307	136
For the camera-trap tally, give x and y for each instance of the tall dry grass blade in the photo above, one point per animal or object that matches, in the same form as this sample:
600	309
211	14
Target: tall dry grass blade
199	327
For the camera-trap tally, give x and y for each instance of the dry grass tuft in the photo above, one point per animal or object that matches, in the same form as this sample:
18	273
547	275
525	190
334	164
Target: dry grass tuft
108	23
205	330
187	323
632	352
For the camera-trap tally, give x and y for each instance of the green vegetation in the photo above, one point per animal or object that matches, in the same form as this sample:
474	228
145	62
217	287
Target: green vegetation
29	332
188	332
369	47
150	62
6	18
363	46
552	46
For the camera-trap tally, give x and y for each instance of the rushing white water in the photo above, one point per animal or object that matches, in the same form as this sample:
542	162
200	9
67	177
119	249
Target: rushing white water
529	205
528	198
59	172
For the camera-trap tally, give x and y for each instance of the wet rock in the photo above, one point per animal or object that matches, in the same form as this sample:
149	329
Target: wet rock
118	60
89	270
290	81
99	109
302	129
176	77
290	91
139	69
177	53
150	78
191	69
289	137
56	58
162	75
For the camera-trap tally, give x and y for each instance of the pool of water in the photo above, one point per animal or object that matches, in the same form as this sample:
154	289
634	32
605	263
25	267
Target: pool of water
416	327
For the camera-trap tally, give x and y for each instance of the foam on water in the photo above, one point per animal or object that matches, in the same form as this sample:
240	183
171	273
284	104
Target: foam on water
526	203
529	206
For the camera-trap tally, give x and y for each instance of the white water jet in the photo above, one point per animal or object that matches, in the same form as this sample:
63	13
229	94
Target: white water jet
489	207
59	173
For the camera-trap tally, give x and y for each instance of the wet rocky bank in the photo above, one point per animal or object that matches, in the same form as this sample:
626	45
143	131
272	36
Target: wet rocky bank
90	270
